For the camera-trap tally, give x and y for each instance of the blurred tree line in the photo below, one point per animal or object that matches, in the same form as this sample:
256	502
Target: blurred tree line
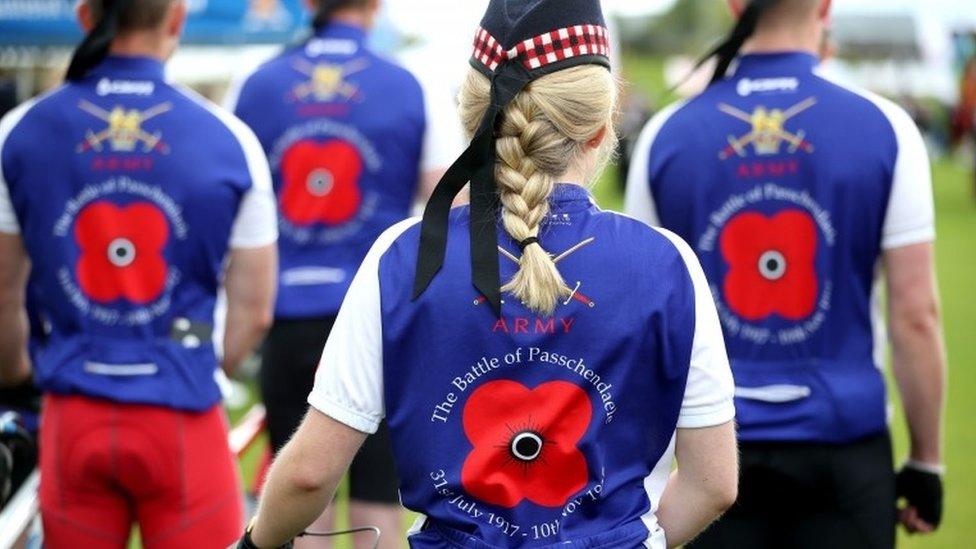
689	27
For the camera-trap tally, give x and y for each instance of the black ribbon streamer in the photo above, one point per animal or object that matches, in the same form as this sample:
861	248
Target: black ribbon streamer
95	47
477	165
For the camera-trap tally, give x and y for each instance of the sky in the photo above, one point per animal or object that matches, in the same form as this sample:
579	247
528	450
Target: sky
416	14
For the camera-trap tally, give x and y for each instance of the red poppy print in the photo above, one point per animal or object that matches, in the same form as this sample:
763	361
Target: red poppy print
525	443
321	183
121	252
771	265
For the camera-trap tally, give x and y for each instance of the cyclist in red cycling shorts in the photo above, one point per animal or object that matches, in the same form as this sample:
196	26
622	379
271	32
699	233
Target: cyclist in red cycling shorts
126	202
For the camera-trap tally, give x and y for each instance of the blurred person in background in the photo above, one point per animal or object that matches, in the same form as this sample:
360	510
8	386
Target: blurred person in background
548	411
353	140
964	115
127	202
793	191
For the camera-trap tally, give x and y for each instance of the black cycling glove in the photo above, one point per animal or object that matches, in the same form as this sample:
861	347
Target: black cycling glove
923	491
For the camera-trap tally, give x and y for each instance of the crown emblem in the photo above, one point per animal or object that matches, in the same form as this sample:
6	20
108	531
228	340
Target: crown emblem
767	132
327	81
124	132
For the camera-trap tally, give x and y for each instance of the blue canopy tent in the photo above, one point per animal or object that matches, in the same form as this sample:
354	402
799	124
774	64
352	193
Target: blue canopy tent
47	23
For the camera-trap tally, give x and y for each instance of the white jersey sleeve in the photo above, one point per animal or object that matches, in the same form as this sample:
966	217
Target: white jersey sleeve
8	218
639	201
910	218
256	224
349	381
709	393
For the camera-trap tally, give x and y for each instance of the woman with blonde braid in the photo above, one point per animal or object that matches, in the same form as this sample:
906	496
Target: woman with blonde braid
546	410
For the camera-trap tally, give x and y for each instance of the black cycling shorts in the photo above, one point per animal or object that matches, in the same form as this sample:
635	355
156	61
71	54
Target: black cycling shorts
291	356
799	495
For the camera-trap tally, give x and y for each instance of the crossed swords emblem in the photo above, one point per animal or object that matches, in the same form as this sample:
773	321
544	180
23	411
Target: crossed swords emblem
576	294
327	81
767	130
124	129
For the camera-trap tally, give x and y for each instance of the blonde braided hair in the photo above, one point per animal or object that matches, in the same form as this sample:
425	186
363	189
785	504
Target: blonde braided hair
542	135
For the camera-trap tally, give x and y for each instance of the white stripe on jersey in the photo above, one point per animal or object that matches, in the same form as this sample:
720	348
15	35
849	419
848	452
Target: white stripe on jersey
639	202
256	224
8	218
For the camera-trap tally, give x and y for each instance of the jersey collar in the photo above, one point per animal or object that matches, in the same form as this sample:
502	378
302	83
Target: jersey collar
342	31
569	197
130	67
776	63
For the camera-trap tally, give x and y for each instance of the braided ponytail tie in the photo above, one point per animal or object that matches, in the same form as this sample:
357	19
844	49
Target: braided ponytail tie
523	244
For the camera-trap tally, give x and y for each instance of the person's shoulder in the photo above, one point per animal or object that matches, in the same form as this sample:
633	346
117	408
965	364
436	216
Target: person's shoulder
37	113
404	237
870	103
394	73
641	236
408	229
271	70
226	129
399	240
641	252
681	116
266	77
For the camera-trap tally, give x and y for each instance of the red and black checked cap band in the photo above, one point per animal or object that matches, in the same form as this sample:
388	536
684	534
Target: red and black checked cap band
553	47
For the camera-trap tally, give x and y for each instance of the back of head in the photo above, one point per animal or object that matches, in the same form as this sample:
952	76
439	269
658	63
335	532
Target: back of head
542	134
759	15
134	15
538	101
326	9
109	19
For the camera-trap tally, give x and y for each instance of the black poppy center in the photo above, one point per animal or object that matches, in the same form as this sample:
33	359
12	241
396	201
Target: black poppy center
319	182
772	265
526	446
121	252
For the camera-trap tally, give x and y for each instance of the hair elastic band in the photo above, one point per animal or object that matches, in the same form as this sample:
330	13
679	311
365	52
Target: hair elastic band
525	243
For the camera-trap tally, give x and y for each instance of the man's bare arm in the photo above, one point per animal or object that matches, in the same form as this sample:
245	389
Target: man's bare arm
14	327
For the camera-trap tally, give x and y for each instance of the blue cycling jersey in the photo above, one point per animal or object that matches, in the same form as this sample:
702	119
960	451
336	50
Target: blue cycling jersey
789	187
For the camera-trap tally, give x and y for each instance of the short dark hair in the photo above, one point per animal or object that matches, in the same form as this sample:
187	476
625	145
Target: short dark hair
786	11
327	8
137	15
